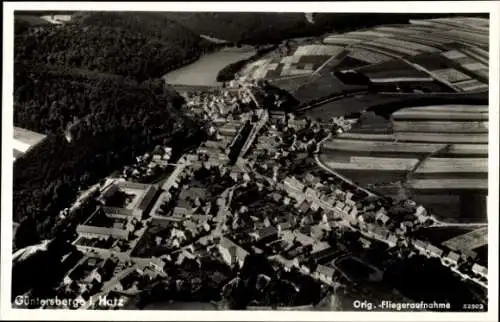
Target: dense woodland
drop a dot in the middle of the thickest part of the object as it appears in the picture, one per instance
(140, 46)
(91, 86)
(112, 121)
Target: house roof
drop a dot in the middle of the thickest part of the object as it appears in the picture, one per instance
(324, 253)
(325, 270)
(147, 197)
(479, 269)
(266, 232)
(435, 250)
(85, 229)
(453, 256)
(419, 243)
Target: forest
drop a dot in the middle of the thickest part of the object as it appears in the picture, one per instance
(92, 86)
(118, 48)
(94, 126)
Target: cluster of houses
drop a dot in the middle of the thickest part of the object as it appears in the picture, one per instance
(222, 103)
(148, 165)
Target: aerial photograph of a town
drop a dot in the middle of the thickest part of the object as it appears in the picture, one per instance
(250, 161)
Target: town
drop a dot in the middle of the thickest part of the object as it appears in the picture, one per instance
(247, 190)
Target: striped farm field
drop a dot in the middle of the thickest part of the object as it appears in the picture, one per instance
(442, 137)
(363, 136)
(445, 115)
(403, 147)
(449, 184)
(454, 165)
(441, 126)
(448, 108)
(372, 163)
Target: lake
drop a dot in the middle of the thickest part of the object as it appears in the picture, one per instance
(203, 72)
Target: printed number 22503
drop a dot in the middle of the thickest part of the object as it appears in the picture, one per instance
(473, 307)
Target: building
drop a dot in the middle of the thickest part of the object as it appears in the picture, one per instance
(324, 254)
(232, 252)
(451, 259)
(392, 240)
(480, 270)
(138, 202)
(102, 232)
(381, 217)
(325, 273)
(434, 251)
(266, 233)
(420, 245)
(157, 264)
(293, 183)
(421, 213)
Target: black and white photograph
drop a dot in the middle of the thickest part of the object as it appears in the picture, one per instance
(221, 160)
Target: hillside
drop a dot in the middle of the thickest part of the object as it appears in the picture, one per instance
(96, 76)
(114, 120)
(139, 45)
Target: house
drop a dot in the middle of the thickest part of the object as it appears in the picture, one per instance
(312, 179)
(181, 212)
(284, 226)
(392, 240)
(157, 264)
(232, 252)
(452, 258)
(303, 239)
(480, 270)
(339, 205)
(266, 233)
(293, 183)
(354, 212)
(381, 216)
(434, 251)
(324, 254)
(420, 245)
(99, 232)
(311, 193)
(421, 213)
(365, 242)
(276, 196)
(325, 273)
(380, 233)
(304, 207)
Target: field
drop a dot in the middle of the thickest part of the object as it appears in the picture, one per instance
(442, 137)
(203, 72)
(402, 148)
(441, 126)
(438, 235)
(471, 240)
